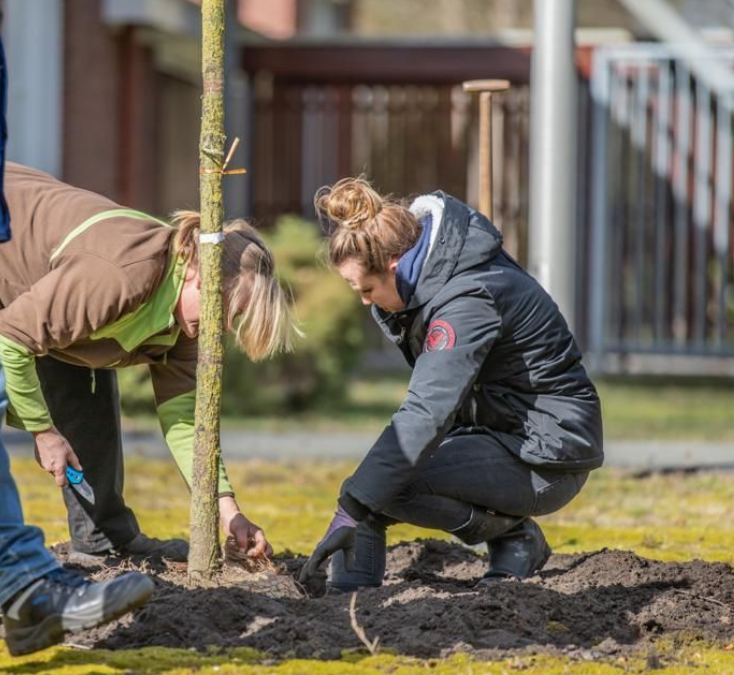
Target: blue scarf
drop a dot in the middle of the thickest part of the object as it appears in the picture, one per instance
(411, 262)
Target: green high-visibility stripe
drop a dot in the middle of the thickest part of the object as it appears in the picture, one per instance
(104, 215)
(142, 325)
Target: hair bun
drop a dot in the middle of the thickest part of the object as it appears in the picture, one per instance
(350, 203)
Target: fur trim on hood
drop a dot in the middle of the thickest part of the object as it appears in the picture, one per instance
(433, 205)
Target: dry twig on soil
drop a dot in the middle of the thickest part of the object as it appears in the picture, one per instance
(705, 598)
(371, 645)
(77, 645)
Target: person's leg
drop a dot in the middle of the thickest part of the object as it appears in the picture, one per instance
(23, 557)
(476, 489)
(446, 494)
(523, 549)
(84, 405)
(40, 600)
(466, 470)
(475, 470)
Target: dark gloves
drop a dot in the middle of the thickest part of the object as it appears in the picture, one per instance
(341, 536)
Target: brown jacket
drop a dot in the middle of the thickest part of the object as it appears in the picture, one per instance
(96, 294)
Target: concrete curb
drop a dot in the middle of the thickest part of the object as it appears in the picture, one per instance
(654, 455)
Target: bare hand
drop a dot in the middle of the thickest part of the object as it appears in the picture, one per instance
(53, 453)
(249, 537)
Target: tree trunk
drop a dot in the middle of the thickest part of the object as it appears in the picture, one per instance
(204, 552)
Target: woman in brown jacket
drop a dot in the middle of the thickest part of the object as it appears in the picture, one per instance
(97, 287)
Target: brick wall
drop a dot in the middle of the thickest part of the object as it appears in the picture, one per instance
(111, 100)
(91, 100)
(130, 132)
(275, 18)
(138, 133)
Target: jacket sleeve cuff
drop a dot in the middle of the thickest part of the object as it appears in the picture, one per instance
(27, 407)
(354, 508)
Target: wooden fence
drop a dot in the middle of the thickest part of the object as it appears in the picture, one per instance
(394, 113)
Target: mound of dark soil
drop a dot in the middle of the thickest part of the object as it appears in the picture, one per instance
(600, 603)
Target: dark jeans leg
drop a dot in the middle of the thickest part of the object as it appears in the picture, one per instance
(475, 470)
(467, 471)
(85, 408)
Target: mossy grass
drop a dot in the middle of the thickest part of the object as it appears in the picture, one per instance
(666, 517)
(665, 659)
(663, 516)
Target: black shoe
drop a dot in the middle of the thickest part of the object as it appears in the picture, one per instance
(175, 550)
(141, 546)
(484, 526)
(518, 553)
(64, 602)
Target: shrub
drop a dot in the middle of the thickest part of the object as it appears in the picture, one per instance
(330, 315)
(136, 391)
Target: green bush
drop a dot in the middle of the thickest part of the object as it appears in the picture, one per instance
(329, 314)
(316, 374)
(136, 391)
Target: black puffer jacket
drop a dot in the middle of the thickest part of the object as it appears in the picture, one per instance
(490, 350)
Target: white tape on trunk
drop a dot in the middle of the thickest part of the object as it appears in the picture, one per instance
(211, 238)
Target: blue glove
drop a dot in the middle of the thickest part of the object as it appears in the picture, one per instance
(341, 536)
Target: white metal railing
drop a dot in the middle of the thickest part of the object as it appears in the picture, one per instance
(661, 286)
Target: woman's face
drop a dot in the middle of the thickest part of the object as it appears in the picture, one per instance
(379, 289)
(186, 311)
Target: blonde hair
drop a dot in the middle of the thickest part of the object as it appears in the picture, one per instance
(257, 308)
(364, 226)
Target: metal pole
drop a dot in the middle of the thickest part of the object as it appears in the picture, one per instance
(485, 88)
(553, 129)
(33, 36)
(599, 211)
(236, 118)
(485, 155)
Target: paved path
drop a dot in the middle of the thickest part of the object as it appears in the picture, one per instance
(654, 455)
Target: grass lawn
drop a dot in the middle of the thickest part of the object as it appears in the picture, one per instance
(668, 517)
(633, 409)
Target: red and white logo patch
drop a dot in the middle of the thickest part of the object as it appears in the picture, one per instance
(440, 336)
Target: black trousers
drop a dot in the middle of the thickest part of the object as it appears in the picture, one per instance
(85, 408)
(470, 469)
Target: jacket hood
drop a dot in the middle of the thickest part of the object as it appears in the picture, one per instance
(461, 238)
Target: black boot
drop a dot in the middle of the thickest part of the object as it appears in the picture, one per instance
(484, 525)
(175, 550)
(518, 553)
(141, 546)
(64, 602)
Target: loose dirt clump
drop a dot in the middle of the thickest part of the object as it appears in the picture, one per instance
(600, 604)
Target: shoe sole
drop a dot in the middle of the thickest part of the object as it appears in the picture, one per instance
(52, 629)
(87, 559)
